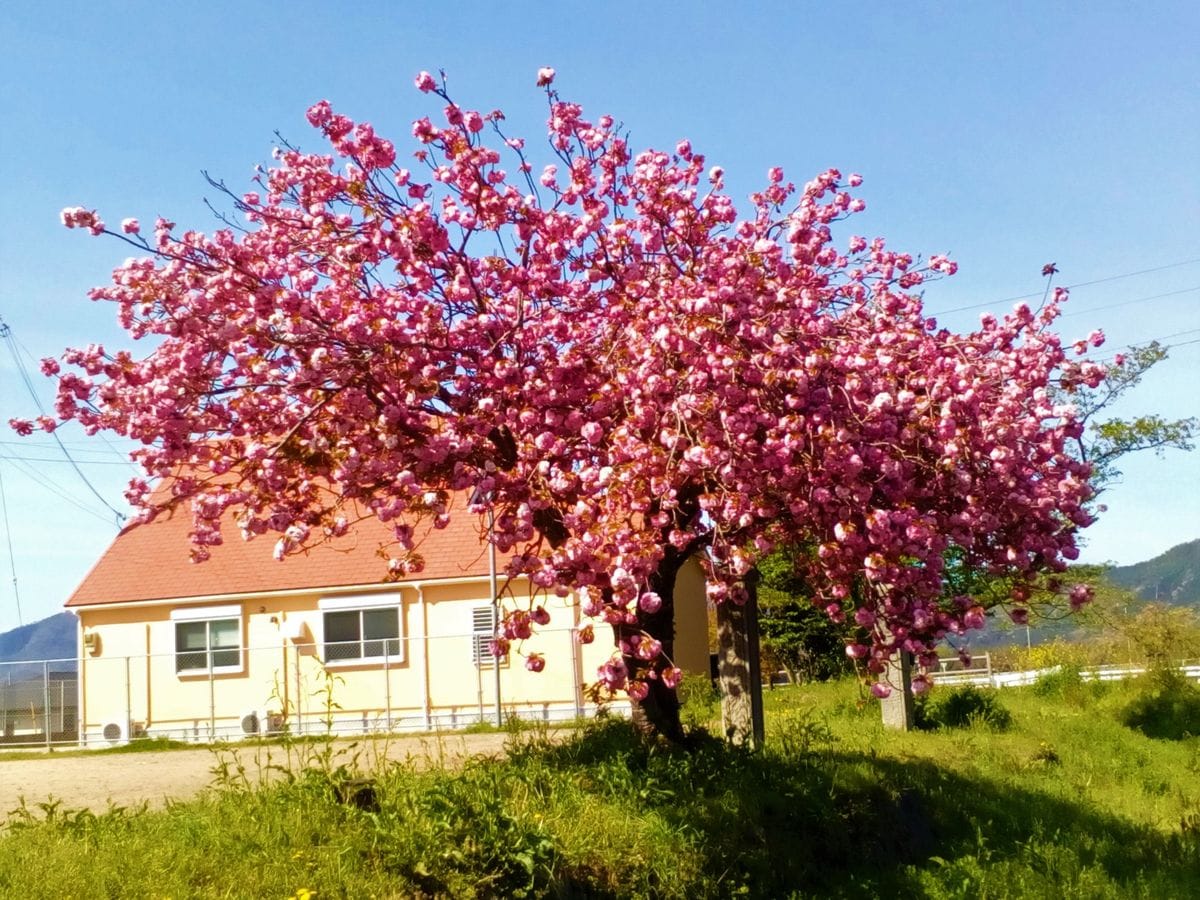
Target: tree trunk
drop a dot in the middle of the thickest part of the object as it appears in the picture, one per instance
(740, 669)
(658, 712)
(898, 712)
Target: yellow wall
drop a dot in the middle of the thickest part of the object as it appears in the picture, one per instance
(691, 619)
(130, 675)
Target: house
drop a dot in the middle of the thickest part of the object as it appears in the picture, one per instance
(243, 644)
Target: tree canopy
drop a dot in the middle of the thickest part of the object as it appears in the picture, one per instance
(606, 355)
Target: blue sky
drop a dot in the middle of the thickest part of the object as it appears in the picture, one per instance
(1008, 135)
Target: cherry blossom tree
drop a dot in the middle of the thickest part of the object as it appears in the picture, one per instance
(607, 358)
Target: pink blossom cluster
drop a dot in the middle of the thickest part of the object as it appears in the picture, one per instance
(78, 217)
(628, 372)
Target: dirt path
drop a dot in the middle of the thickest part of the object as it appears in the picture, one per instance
(96, 781)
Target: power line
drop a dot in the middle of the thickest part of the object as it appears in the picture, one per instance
(78, 447)
(50, 459)
(6, 333)
(124, 457)
(34, 475)
(1136, 344)
(1175, 334)
(1110, 359)
(1174, 265)
(1078, 284)
(1092, 309)
(1164, 337)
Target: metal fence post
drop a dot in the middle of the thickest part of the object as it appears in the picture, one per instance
(46, 698)
(128, 701)
(212, 701)
(80, 702)
(299, 696)
(387, 682)
(576, 670)
(478, 679)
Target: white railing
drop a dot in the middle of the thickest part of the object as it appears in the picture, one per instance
(985, 676)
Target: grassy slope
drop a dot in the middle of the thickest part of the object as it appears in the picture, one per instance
(1066, 803)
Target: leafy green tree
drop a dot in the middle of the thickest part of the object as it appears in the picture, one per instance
(1161, 634)
(1106, 440)
(798, 636)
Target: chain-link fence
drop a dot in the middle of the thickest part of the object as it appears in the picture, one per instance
(39, 702)
(210, 689)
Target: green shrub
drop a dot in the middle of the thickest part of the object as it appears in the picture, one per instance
(1064, 682)
(960, 707)
(1167, 706)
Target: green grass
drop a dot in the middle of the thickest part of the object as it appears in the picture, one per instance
(140, 745)
(1065, 802)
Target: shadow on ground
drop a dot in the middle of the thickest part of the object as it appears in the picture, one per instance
(827, 822)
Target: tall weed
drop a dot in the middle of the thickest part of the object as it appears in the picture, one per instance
(701, 701)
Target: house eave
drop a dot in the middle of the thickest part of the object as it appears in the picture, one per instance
(375, 586)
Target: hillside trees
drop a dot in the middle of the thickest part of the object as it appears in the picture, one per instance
(629, 374)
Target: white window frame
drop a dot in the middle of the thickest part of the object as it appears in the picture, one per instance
(482, 634)
(208, 615)
(361, 603)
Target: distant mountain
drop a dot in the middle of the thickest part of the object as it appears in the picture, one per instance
(1173, 577)
(52, 638)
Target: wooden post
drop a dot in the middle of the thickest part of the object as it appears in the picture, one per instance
(739, 669)
(898, 712)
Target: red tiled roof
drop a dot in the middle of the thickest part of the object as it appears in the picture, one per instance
(152, 561)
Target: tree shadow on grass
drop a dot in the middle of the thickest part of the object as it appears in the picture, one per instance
(830, 823)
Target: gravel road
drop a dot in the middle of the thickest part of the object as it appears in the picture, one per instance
(96, 781)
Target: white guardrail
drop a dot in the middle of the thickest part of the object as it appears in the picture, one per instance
(984, 676)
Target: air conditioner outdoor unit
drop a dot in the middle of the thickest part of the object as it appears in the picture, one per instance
(121, 730)
(261, 721)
